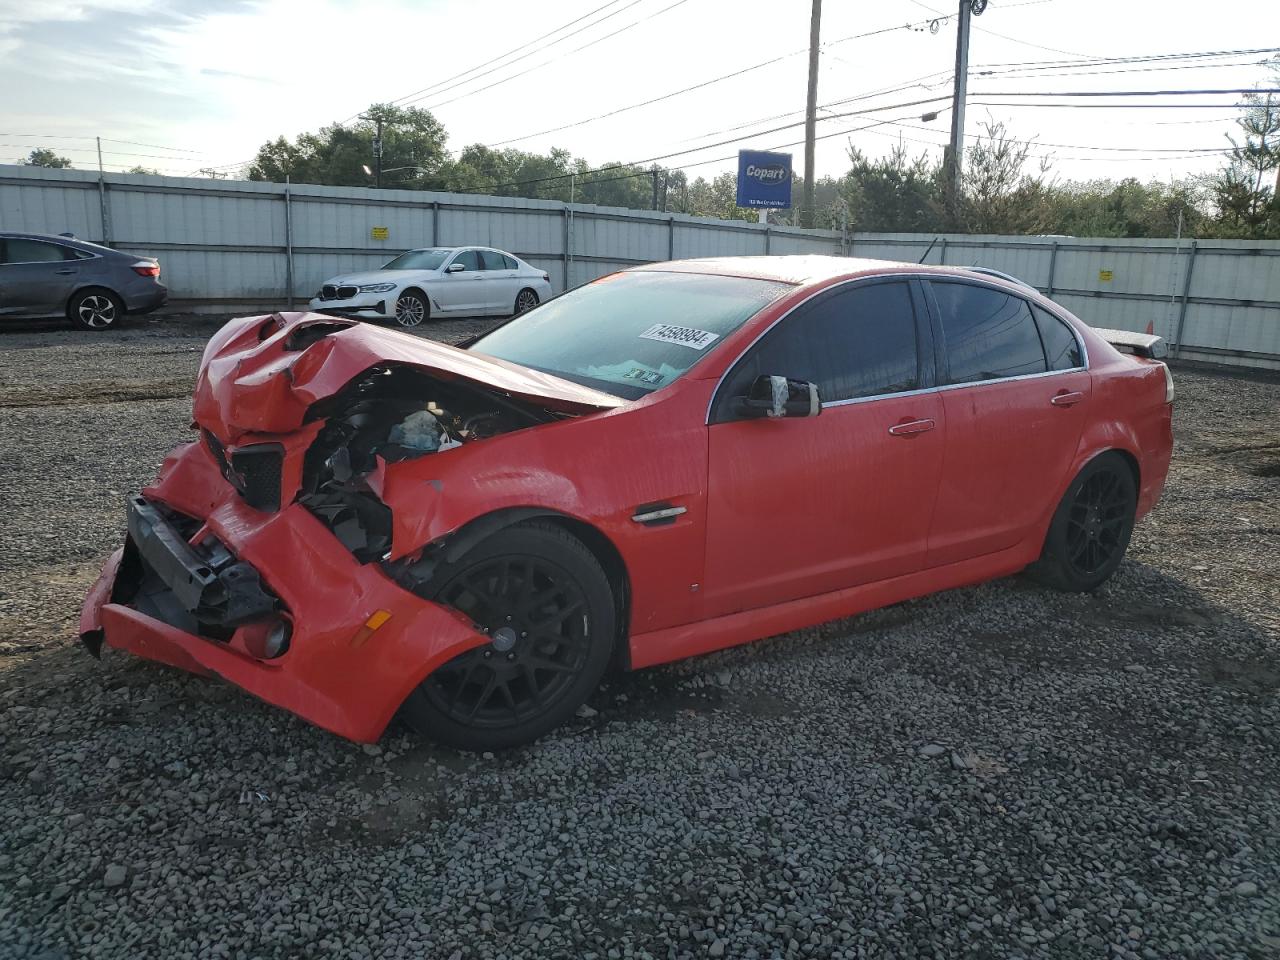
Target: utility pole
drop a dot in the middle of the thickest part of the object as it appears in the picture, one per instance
(377, 156)
(811, 115)
(654, 173)
(955, 152)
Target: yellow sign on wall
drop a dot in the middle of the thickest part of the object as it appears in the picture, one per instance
(380, 233)
(1104, 276)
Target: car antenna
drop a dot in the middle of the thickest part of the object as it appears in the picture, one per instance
(927, 250)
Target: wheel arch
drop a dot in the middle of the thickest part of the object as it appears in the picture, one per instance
(455, 545)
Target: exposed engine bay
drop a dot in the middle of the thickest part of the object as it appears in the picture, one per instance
(391, 414)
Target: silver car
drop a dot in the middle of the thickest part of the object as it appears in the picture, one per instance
(42, 275)
(434, 282)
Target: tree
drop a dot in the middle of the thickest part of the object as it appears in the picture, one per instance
(998, 196)
(148, 171)
(336, 155)
(44, 157)
(1244, 191)
(896, 193)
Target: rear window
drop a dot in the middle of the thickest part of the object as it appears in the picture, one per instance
(419, 260)
(1060, 345)
(631, 333)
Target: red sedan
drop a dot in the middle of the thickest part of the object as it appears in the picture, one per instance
(667, 461)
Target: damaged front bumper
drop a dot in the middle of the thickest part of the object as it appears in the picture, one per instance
(271, 602)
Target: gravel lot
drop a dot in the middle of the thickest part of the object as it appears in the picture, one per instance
(994, 772)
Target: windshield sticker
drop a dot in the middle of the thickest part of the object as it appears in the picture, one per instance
(643, 375)
(685, 336)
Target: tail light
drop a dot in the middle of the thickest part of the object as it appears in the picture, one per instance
(147, 268)
(1168, 383)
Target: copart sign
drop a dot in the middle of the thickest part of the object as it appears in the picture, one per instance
(764, 179)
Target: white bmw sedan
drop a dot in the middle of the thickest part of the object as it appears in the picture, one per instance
(437, 281)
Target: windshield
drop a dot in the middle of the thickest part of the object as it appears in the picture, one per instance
(630, 333)
(419, 260)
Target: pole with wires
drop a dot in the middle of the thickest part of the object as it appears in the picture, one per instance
(955, 151)
(811, 114)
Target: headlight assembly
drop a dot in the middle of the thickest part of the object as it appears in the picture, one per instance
(376, 287)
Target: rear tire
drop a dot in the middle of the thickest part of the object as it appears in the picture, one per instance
(526, 300)
(95, 309)
(545, 601)
(412, 309)
(1091, 528)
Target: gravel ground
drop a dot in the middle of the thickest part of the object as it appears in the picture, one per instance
(994, 772)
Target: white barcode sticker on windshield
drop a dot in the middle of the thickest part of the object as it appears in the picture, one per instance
(685, 336)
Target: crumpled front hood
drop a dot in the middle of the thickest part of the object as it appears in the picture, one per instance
(262, 374)
(377, 276)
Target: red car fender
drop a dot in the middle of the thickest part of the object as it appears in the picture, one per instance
(653, 451)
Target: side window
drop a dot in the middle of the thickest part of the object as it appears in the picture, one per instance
(1060, 345)
(510, 262)
(470, 259)
(18, 250)
(989, 334)
(855, 343)
(492, 260)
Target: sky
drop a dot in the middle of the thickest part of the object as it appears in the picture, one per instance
(178, 86)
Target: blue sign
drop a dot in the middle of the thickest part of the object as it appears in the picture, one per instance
(764, 179)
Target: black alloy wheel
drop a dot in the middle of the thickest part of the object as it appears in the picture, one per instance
(546, 605)
(1091, 528)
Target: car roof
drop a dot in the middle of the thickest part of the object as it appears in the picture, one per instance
(71, 241)
(797, 269)
(805, 269)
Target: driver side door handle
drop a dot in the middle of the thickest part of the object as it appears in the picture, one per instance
(1066, 399)
(911, 428)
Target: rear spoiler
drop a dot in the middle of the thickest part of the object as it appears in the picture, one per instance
(1140, 344)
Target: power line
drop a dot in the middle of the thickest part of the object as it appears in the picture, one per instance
(1121, 93)
(524, 46)
(538, 66)
(706, 83)
(710, 146)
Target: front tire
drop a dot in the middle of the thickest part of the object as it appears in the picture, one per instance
(412, 309)
(547, 605)
(526, 300)
(95, 309)
(1091, 528)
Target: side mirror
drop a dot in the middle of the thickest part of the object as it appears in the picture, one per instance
(454, 268)
(773, 396)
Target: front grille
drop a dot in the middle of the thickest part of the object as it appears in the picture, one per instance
(328, 292)
(255, 471)
(259, 468)
(346, 293)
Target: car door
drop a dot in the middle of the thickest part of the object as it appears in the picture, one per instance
(802, 506)
(36, 277)
(1015, 397)
(463, 291)
(502, 282)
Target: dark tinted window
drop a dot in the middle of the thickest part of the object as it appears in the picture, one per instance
(470, 260)
(989, 334)
(856, 343)
(34, 251)
(510, 262)
(1060, 344)
(492, 260)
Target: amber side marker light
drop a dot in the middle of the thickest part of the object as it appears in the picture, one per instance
(371, 626)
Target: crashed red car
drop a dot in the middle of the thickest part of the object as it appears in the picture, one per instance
(667, 461)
